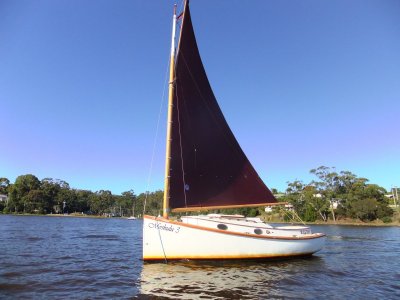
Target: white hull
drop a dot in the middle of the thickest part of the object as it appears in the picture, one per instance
(172, 240)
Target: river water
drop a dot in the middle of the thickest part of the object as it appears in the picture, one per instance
(85, 258)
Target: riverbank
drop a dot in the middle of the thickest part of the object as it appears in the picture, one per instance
(345, 223)
(352, 222)
(340, 222)
(278, 218)
(74, 215)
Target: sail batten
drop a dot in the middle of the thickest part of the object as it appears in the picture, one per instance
(208, 168)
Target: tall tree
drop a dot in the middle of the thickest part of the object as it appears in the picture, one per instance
(129, 198)
(4, 184)
(101, 202)
(34, 202)
(22, 186)
(326, 190)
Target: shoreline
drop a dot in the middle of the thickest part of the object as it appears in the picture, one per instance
(376, 223)
(330, 222)
(357, 223)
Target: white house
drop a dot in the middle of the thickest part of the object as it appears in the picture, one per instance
(287, 207)
(3, 198)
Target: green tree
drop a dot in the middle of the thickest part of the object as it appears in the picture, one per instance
(34, 202)
(66, 200)
(367, 201)
(81, 201)
(326, 190)
(153, 202)
(101, 202)
(51, 189)
(274, 191)
(22, 186)
(357, 198)
(295, 196)
(4, 187)
(129, 201)
(4, 184)
(364, 209)
(316, 204)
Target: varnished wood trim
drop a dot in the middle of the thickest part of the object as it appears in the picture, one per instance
(226, 257)
(250, 226)
(308, 237)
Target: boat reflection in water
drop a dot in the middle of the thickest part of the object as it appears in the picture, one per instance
(225, 279)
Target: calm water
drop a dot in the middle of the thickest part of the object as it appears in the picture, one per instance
(59, 258)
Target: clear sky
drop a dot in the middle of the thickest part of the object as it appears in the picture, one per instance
(301, 83)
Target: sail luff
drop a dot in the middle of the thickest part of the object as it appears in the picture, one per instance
(166, 208)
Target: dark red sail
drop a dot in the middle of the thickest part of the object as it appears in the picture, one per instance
(208, 167)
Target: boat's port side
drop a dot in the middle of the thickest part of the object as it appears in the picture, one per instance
(167, 239)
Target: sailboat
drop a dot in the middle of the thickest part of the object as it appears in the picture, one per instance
(206, 169)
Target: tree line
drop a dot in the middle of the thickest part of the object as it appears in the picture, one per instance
(30, 195)
(332, 195)
(337, 195)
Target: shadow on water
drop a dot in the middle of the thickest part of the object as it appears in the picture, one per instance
(222, 279)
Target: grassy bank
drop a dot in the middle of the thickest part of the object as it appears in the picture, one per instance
(279, 218)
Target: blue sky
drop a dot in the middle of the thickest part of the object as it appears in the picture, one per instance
(301, 83)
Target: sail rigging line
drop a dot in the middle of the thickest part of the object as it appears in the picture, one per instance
(181, 148)
(181, 8)
(161, 242)
(155, 139)
(211, 111)
(293, 216)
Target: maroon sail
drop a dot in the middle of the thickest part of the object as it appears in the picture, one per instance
(208, 167)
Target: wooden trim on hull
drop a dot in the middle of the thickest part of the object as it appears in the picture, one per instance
(200, 208)
(227, 257)
(250, 226)
(306, 237)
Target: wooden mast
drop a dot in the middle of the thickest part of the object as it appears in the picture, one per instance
(166, 207)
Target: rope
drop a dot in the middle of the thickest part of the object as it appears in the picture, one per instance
(181, 148)
(293, 215)
(155, 140)
(162, 245)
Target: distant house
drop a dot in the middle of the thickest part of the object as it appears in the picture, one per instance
(3, 198)
(335, 203)
(393, 197)
(288, 206)
(277, 196)
(268, 209)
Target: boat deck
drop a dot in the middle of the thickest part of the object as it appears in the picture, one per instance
(241, 224)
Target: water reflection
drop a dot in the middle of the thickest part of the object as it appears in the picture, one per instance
(76, 258)
(220, 279)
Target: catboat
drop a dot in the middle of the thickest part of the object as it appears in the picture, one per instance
(206, 169)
